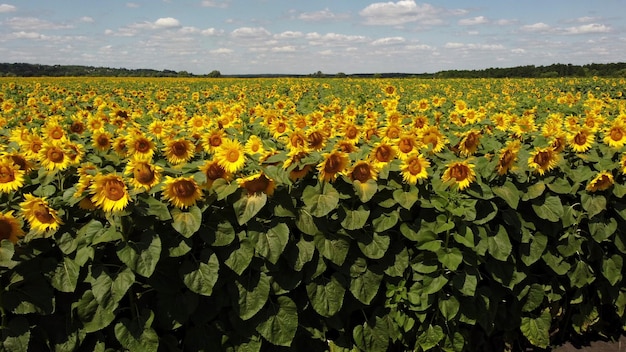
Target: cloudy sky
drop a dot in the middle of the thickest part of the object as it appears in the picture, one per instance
(304, 36)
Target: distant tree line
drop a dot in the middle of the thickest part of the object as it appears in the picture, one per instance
(528, 71)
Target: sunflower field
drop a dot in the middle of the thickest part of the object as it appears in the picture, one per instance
(311, 214)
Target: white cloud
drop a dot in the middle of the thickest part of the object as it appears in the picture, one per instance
(473, 46)
(419, 47)
(402, 12)
(518, 51)
(322, 15)
(588, 28)
(86, 19)
(167, 22)
(26, 35)
(333, 39)
(389, 41)
(284, 49)
(289, 35)
(222, 51)
(33, 24)
(211, 32)
(213, 3)
(473, 21)
(4, 8)
(536, 27)
(250, 32)
(132, 5)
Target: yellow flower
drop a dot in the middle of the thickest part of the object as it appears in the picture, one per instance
(414, 168)
(382, 154)
(461, 172)
(469, 143)
(140, 145)
(213, 171)
(53, 156)
(212, 140)
(230, 155)
(145, 175)
(254, 146)
(334, 164)
(508, 157)
(581, 140)
(101, 140)
(431, 136)
(109, 192)
(407, 144)
(257, 183)
(40, 217)
(181, 192)
(603, 181)
(178, 151)
(543, 159)
(363, 171)
(11, 176)
(615, 135)
(10, 228)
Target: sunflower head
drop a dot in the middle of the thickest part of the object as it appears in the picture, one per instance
(461, 172)
(178, 151)
(603, 181)
(144, 174)
(230, 155)
(213, 171)
(334, 164)
(10, 228)
(615, 135)
(414, 168)
(181, 192)
(11, 175)
(54, 156)
(363, 171)
(257, 183)
(543, 160)
(40, 216)
(109, 192)
(581, 140)
(508, 157)
(382, 154)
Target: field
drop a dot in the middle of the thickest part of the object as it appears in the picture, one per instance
(340, 214)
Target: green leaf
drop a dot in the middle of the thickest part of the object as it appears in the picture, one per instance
(16, 335)
(365, 286)
(281, 322)
(385, 221)
(240, 258)
(156, 208)
(252, 295)
(333, 250)
(272, 243)
(377, 247)
(306, 251)
(534, 191)
(248, 206)
(431, 337)
(365, 191)
(93, 316)
(449, 307)
(201, 276)
(143, 256)
(465, 283)
(582, 275)
(400, 264)
(321, 199)
(537, 330)
(326, 296)
(137, 335)
(65, 276)
(224, 234)
(306, 224)
(593, 204)
(109, 292)
(500, 246)
(224, 188)
(602, 231)
(406, 199)
(556, 263)
(537, 246)
(434, 284)
(109, 234)
(451, 258)
(534, 298)
(355, 219)
(612, 269)
(7, 249)
(550, 209)
(187, 222)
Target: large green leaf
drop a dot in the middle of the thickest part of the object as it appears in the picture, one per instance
(240, 258)
(602, 230)
(534, 298)
(280, 323)
(431, 337)
(355, 219)
(93, 316)
(550, 208)
(536, 247)
(271, 243)
(143, 256)
(16, 335)
(326, 295)
(306, 251)
(400, 264)
(537, 330)
(500, 246)
(374, 336)
(406, 199)
(155, 207)
(65, 276)
(449, 307)
(248, 206)
(201, 276)
(306, 224)
(509, 193)
(385, 221)
(137, 335)
(334, 250)
(365, 191)
(593, 204)
(321, 199)
(108, 292)
(451, 258)
(253, 293)
(612, 268)
(186, 222)
(365, 286)
(377, 247)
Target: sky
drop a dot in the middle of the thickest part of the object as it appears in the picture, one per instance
(306, 36)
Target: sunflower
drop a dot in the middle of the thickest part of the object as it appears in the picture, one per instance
(31, 145)
(462, 172)
(297, 140)
(508, 157)
(178, 151)
(254, 146)
(181, 192)
(351, 132)
(581, 139)
(623, 164)
(603, 181)
(75, 153)
(19, 160)
(334, 164)
(363, 171)
(11, 176)
(53, 156)
(101, 140)
(316, 139)
(144, 174)
(414, 168)
(120, 146)
(407, 144)
(382, 154)
(212, 140)
(54, 131)
(10, 228)
(431, 136)
(109, 192)
(257, 183)
(40, 217)
(615, 135)
(469, 143)
(543, 159)
(159, 129)
(213, 171)
(230, 155)
(140, 145)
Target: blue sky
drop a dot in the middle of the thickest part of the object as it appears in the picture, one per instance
(298, 36)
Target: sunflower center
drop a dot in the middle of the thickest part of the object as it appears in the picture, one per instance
(617, 133)
(143, 173)
(215, 140)
(415, 167)
(507, 158)
(184, 189)
(316, 139)
(393, 132)
(405, 145)
(471, 141)
(114, 190)
(42, 214)
(281, 127)
(6, 230)
(459, 172)
(298, 141)
(603, 183)
(215, 171)
(57, 133)
(179, 149)
(19, 161)
(77, 127)
(580, 138)
(232, 155)
(419, 123)
(361, 172)
(542, 159)
(257, 185)
(431, 139)
(383, 153)
(103, 140)
(55, 155)
(352, 132)
(6, 174)
(142, 146)
(333, 164)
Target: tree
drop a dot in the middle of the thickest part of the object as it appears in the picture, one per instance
(215, 74)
